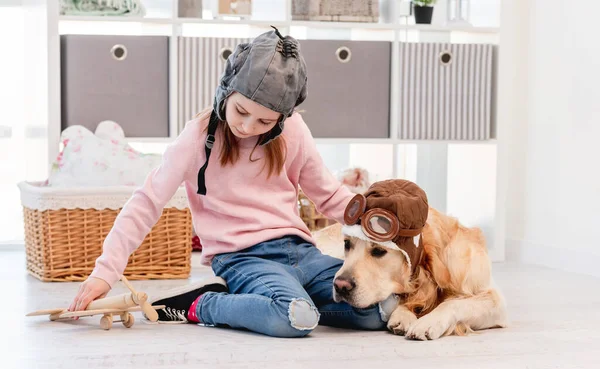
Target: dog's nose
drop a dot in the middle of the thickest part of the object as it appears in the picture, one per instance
(343, 286)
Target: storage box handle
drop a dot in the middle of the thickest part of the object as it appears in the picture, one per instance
(446, 57)
(224, 53)
(118, 52)
(343, 54)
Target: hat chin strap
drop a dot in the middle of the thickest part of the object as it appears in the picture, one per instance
(357, 232)
(208, 145)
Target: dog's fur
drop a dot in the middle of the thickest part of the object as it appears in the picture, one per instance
(451, 292)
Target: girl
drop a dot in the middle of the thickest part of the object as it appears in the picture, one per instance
(271, 277)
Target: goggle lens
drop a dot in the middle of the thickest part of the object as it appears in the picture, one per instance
(380, 225)
(354, 210)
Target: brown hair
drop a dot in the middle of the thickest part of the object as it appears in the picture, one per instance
(275, 152)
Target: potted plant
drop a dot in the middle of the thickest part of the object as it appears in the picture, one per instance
(423, 10)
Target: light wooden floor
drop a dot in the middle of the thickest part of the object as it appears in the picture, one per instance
(555, 320)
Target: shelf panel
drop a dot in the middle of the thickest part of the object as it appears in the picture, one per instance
(130, 19)
(344, 25)
(343, 141)
(392, 141)
(447, 28)
(277, 23)
(258, 23)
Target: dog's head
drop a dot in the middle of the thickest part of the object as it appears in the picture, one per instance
(370, 273)
(382, 238)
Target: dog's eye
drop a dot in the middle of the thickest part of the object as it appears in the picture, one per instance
(347, 245)
(378, 252)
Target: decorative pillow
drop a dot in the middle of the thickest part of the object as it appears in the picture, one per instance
(102, 158)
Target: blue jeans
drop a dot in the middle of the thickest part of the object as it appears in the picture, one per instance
(281, 288)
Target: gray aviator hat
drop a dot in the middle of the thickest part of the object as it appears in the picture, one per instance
(269, 71)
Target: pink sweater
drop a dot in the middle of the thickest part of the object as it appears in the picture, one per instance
(242, 207)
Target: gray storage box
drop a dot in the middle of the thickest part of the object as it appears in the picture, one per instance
(119, 78)
(348, 88)
(445, 91)
(201, 64)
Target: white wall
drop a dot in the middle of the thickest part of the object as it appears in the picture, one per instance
(555, 220)
(12, 132)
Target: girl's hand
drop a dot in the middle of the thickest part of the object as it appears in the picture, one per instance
(90, 290)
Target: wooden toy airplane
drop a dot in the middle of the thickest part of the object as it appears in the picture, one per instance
(121, 305)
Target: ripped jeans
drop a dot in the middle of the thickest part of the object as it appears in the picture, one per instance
(281, 288)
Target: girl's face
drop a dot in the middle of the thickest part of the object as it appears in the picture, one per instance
(247, 118)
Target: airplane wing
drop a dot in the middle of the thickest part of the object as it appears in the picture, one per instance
(46, 312)
(81, 313)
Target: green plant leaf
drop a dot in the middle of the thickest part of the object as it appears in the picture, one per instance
(424, 2)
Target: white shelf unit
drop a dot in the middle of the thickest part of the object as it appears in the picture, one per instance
(173, 27)
(49, 25)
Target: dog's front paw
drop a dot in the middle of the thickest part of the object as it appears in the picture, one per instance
(400, 320)
(429, 327)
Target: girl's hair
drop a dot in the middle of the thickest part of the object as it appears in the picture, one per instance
(275, 151)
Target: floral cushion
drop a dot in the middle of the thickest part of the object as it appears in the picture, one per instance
(102, 158)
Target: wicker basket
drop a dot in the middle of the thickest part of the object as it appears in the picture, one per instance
(336, 10)
(309, 214)
(65, 230)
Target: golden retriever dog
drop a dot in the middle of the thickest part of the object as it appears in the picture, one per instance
(451, 291)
